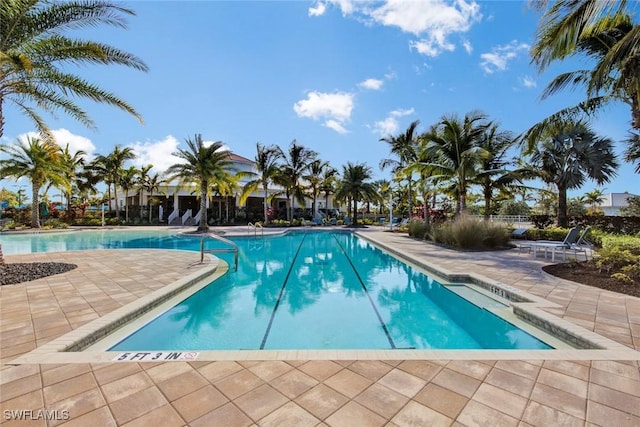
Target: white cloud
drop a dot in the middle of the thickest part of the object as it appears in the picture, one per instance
(467, 46)
(63, 137)
(401, 113)
(335, 108)
(156, 153)
(335, 125)
(385, 127)
(528, 82)
(498, 59)
(371, 84)
(432, 22)
(389, 125)
(318, 10)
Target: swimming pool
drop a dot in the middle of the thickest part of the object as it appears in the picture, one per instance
(306, 290)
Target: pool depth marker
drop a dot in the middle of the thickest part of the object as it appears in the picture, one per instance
(286, 279)
(366, 291)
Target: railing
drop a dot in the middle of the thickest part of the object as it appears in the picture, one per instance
(234, 249)
(186, 216)
(197, 217)
(510, 219)
(175, 214)
(255, 229)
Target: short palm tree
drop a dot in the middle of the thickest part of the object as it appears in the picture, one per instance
(452, 152)
(356, 185)
(37, 161)
(594, 198)
(34, 51)
(267, 166)
(569, 155)
(151, 183)
(205, 165)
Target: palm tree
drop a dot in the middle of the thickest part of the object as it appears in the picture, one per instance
(594, 198)
(570, 154)
(452, 151)
(603, 31)
(404, 147)
(151, 183)
(205, 165)
(314, 177)
(493, 174)
(128, 180)
(72, 164)
(297, 161)
(34, 53)
(266, 163)
(37, 161)
(328, 184)
(110, 168)
(355, 185)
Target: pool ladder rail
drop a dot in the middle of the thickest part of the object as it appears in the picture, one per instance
(233, 249)
(255, 229)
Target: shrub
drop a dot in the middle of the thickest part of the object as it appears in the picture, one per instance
(468, 233)
(419, 229)
(625, 243)
(541, 221)
(614, 258)
(550, 233)
(55, 223)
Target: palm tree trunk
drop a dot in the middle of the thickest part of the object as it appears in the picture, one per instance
(562, 206)
(264, 204)
(35, 206)
(126, 207)
(487, 205)
(355, 212)
(115, 197)
(203, 226)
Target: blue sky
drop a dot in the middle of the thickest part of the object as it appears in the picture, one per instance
(334, 75)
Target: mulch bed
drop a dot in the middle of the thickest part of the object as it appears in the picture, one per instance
(587, 274)
(10, 274)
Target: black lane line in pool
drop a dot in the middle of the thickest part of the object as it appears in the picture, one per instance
(366, 291)
(275, 307)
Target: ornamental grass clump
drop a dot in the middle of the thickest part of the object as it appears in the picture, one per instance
(420, 229)
(469, 233)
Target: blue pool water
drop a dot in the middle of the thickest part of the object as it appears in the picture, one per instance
(302, 290)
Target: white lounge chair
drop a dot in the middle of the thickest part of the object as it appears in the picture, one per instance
(583, 245)
(550, 245)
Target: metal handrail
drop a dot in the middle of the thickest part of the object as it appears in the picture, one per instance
(255, 229)
(235, 248)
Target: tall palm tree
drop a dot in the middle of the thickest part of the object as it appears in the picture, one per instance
(128, 180)
(110, 168)
(267, 164)
(151, 183)
(34, 52)
(569, 155)
(328, 184)
(296, 163)
(404, 147)
(37, 161)
(205, 165)
(604, 32)
(453, 151)
(314, 177)
(72, 165)
(356, 185)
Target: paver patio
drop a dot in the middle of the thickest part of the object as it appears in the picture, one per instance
(306, 392)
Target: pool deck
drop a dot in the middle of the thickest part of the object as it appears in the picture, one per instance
(461, 392)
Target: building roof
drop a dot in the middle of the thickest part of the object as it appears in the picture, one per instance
(236, 158)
